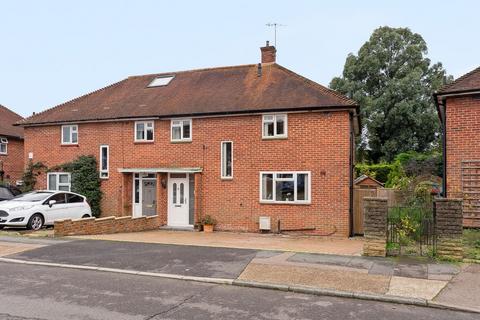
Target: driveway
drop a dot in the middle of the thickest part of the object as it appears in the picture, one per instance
(147, 257)
(296, 243)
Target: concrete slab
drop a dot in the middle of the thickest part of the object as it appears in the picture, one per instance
(384, 268)
(415, 288)
(361, 263)
(315, 277)
(320, 259)
(8, 248)
(464, 289)
(147, 257)
(411, 270)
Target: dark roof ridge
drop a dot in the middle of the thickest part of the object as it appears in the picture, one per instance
(192, 70)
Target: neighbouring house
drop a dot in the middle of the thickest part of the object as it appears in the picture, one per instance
(11, 147)
(236, 143)
(458, 105)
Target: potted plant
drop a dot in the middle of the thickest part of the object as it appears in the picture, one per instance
(208, 223)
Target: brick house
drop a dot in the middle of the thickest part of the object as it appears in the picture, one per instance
(11, 147)
(458, 106)
(236, 143)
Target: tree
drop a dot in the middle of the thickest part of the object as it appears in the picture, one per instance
(393, 81)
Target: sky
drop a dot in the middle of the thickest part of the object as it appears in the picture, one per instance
(54, 51)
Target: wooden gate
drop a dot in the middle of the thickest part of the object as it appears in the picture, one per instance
(393, 196)
(358, 195)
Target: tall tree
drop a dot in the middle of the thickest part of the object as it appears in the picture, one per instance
(393, 81)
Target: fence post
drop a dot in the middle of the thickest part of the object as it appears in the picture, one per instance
(449, 228)
(375, 227)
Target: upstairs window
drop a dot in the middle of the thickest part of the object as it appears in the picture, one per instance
(104, 161)
(58, 181)
(181, 130)
(3, 145)
(285, 187)
(70, 134)
(144, 131)
(227, 159)
(274, 126)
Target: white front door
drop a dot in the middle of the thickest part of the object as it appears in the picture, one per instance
(178, 198)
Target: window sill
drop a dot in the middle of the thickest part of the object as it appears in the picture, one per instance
(69, 145)
(144, 142)
(181, 141)
(226, 178)
(275, 138)
(286, 203)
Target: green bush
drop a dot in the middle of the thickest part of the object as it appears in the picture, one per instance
(30, 175)
(85, 180)
(378, 171)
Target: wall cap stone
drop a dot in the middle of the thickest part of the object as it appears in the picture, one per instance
(448, 200)
(375, 199)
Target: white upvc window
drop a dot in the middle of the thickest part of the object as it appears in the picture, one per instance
(104, 161)
(59, 181)
(70, 134)
(289, 187)
(274, 126)
(181, 130)
(144, 131)
(226, 159)
(3, 146)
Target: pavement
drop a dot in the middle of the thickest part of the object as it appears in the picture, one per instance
(411, 281)
(40, 292)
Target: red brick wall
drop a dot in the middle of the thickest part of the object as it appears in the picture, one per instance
(463, 132)
(13, 162)
(317, 142)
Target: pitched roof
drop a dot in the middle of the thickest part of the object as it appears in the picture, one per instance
(364, 177)
(468, 82)
(7, 119)
(222, 90)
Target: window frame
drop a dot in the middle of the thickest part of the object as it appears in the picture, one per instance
(4, 142)
(275, 135)
(144, 122)
(57, 181)
(274, 179)
(107, 170)
(71, 134)
(222, 162)
(182, 139)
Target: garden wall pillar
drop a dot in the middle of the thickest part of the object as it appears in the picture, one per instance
(449, 228)
(375, 227)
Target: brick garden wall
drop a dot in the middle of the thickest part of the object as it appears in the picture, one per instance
(375, 227)
(105, 225)
(13, 162)
(463, 130)
(449, 228)
(317, 142)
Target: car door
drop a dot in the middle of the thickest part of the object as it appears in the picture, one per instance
(58, 210)
(75, 206)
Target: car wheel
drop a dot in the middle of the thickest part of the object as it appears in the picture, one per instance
(1, 227)
(35, 222)
(85, 216)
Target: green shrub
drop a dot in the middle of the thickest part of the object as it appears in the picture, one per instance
(85, 180)
(378, 171)
(30, 175)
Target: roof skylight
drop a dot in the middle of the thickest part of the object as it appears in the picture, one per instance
(161, 81)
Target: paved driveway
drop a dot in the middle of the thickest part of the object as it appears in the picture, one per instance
(173, 259)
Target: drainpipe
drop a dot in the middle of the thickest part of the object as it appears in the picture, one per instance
(351, 165)
(444, 147)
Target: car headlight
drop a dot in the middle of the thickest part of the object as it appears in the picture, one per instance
(21, 208)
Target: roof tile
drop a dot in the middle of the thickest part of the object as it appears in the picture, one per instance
(7, 120)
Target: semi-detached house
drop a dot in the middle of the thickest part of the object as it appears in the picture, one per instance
(237, 143)
(11, 147)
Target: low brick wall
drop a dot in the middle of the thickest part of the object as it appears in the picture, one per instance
(375, 227)
(449, 228)
(105, 225)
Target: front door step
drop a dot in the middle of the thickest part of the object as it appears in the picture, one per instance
(173, 228)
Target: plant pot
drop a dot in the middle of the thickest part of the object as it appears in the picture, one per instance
(208, 228)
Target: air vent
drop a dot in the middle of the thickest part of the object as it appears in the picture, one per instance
(264, 223)
(161, 81)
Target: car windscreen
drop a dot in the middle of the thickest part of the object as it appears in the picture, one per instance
(33, 196)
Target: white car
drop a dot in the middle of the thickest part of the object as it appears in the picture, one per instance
(38, 208)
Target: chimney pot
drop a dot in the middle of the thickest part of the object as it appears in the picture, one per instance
(269, 53)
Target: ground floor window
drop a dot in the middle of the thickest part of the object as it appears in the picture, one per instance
(59, 181)
(285, 187)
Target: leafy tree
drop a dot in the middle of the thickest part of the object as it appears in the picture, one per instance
(30, 175)
(393, 81)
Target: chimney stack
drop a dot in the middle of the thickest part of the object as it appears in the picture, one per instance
(269, 53)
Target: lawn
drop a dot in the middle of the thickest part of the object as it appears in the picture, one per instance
(471, 243)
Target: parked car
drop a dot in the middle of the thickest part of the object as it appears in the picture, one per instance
(8, 192)
(35, 209)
